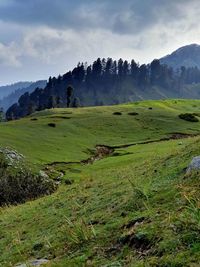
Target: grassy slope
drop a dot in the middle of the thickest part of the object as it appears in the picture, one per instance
(84, 224)
(90, 126)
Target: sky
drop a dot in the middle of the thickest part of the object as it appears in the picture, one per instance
(42, 38)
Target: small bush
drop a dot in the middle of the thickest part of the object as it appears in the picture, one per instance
(117, 113)
(188, 117)
(69, 181)
(34, 119)
(133, 113)
(52, 124)
(37, 246)
(18, 183)
(196, 114)
(18, 188)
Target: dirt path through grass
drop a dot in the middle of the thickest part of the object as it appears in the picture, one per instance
(102, 151)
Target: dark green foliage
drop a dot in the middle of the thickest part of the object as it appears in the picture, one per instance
(52, 124)
(76, 102)
(188, 117)
(133, 113)
(107, 82)
(20, 184)
(52, 103)
(69, 95)
(68, 181)
(2, 115)
(117, 113)
(38, 246)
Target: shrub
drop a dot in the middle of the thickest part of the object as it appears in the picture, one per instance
(52, 124)
(18, 183)
(188, 117)
(20, 187)
(133, 113)
(69, 182)
(117, 113)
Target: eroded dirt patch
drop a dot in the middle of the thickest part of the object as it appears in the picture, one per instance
(103, 151)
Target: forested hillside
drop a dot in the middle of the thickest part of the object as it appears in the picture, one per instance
(8, 89)
(13, 97)
(108, 82)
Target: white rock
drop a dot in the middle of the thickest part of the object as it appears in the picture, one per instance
(194, 165)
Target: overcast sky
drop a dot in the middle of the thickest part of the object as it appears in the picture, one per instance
(39, 38)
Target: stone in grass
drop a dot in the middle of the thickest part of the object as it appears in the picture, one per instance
(38, 262)
(11, 155)
(194, 165)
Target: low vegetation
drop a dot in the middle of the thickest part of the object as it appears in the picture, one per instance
(19, 183)
(188, 117)
(134, 207)
(117, 113)
(52, 124)
(133, 113)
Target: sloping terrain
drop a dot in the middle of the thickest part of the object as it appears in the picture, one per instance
(187, 56)
(8, 89)
(12, 97)
(133, 205)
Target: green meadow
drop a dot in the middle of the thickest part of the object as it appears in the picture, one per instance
(135, 207)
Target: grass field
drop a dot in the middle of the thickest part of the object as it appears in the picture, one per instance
(136, 207)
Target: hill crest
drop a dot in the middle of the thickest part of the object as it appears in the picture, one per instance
(188, 56)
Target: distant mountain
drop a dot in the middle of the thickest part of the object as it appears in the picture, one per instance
(8, 89)
(13, 97)
(188, 56)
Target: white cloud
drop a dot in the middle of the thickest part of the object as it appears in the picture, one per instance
(33, 45)
(9, 55)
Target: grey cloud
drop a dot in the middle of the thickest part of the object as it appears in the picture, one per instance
(47, 37)
(130, 16)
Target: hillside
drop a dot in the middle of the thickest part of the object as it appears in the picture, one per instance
(8, 89)
(13, 96)
(108, 82)
(188, 56)
(127, 203)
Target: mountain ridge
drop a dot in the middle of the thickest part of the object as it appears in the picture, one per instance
(108, 82)
(7, 89)
(187, 56)
(13, 97)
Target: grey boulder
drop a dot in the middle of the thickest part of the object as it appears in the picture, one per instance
(194, 165)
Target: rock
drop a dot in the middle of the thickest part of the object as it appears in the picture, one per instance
(11, 156)
(37, 262)
(43, 175)
(194, 165)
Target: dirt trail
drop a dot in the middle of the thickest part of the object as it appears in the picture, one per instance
(103, 151)
(174, 136)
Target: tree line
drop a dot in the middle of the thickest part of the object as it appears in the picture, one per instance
(106, 81)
